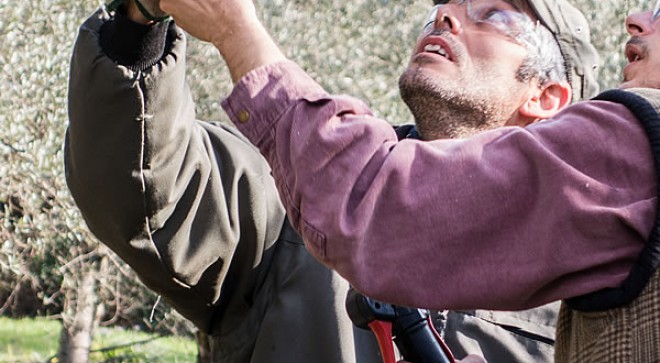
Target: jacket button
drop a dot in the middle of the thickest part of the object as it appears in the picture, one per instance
(243, 116)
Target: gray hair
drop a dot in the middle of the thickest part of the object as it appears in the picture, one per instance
(544, 60)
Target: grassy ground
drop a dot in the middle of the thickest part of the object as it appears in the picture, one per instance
(36, 340)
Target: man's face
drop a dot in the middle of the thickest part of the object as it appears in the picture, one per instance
(462, 75)
(643, 50)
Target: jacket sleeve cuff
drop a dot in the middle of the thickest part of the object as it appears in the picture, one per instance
(133, 45)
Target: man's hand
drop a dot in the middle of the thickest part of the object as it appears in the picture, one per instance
(133, 13)
(152, 7)
(211, 20)
(232, 26)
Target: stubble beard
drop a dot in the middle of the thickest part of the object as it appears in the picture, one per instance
(452, 108)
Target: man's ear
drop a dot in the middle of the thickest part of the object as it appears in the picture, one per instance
(546, 101)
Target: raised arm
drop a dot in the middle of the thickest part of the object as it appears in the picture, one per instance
(452, 223)
(188, 204)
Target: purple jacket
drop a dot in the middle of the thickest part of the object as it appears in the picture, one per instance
(508, 219)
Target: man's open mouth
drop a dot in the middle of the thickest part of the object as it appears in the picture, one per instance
(437, 45)
(634, 52)
(436, 48)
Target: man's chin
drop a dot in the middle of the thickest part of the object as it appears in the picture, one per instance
(429, 73)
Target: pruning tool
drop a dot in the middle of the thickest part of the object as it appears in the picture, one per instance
(411, 329)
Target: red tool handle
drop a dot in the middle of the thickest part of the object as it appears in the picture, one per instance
(383, 332)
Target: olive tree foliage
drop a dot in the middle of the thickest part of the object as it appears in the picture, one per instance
(45, 248)
(356, 47)
(40, 228)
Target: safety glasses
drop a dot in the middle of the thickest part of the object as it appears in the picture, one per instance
(499, 16)
(656, 11)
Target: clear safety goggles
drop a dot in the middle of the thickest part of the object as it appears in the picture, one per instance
(656, 11)
(500, 16)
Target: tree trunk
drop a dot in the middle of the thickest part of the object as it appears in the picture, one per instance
(78, 317)
(204, 347)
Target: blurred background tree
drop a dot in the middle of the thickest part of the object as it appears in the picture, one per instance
(47, 255)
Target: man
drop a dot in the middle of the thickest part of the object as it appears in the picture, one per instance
(507, 219)
(194, 220)
(191, 206)
(525, 336)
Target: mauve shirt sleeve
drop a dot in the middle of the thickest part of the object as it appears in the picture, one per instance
(508, 219)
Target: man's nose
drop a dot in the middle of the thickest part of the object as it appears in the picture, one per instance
(639, 23)
(446, 19)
